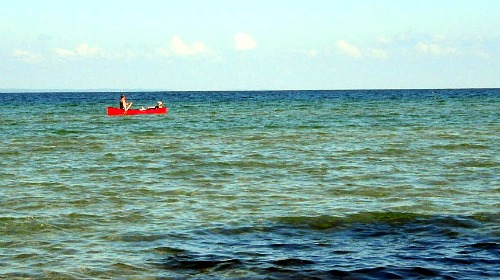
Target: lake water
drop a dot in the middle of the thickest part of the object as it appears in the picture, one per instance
(368, 184)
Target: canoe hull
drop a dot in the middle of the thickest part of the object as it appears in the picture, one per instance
(112, 111)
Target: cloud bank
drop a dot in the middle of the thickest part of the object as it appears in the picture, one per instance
(177, 47)
(351, 50)
(27, 56)
(83, 50)
(435, 49)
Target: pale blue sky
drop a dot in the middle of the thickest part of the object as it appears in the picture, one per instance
(249, 45)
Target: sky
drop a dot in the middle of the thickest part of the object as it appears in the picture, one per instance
(207, 45)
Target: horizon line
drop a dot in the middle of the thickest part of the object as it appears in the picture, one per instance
(113, 90)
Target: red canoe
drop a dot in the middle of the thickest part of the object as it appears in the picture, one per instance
(120, 112)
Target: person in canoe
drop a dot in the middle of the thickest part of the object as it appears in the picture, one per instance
(124, 105)
(157, 106)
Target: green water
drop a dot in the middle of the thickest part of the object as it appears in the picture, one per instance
(226, 177)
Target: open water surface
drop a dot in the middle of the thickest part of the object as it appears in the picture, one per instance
(251, 185)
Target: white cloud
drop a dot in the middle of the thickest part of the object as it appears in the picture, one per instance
(27, 56)
(348, 49)
(82, 50)
(64, 52)
(86, 51)
(435, 49)
(312, 53)
(357, 52)
(178, 47)
(377, 53)
(244, 42)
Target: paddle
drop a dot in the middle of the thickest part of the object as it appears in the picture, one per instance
(128, 106)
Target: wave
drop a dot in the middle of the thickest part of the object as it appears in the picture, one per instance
(323, 222)
(461, 146)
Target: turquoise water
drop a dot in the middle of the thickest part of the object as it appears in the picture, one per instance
(249, 185)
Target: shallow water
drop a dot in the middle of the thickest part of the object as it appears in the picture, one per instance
(249, 185)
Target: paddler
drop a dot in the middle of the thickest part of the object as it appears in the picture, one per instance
(124, 105)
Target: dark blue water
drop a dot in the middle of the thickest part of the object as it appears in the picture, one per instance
(369, 184)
